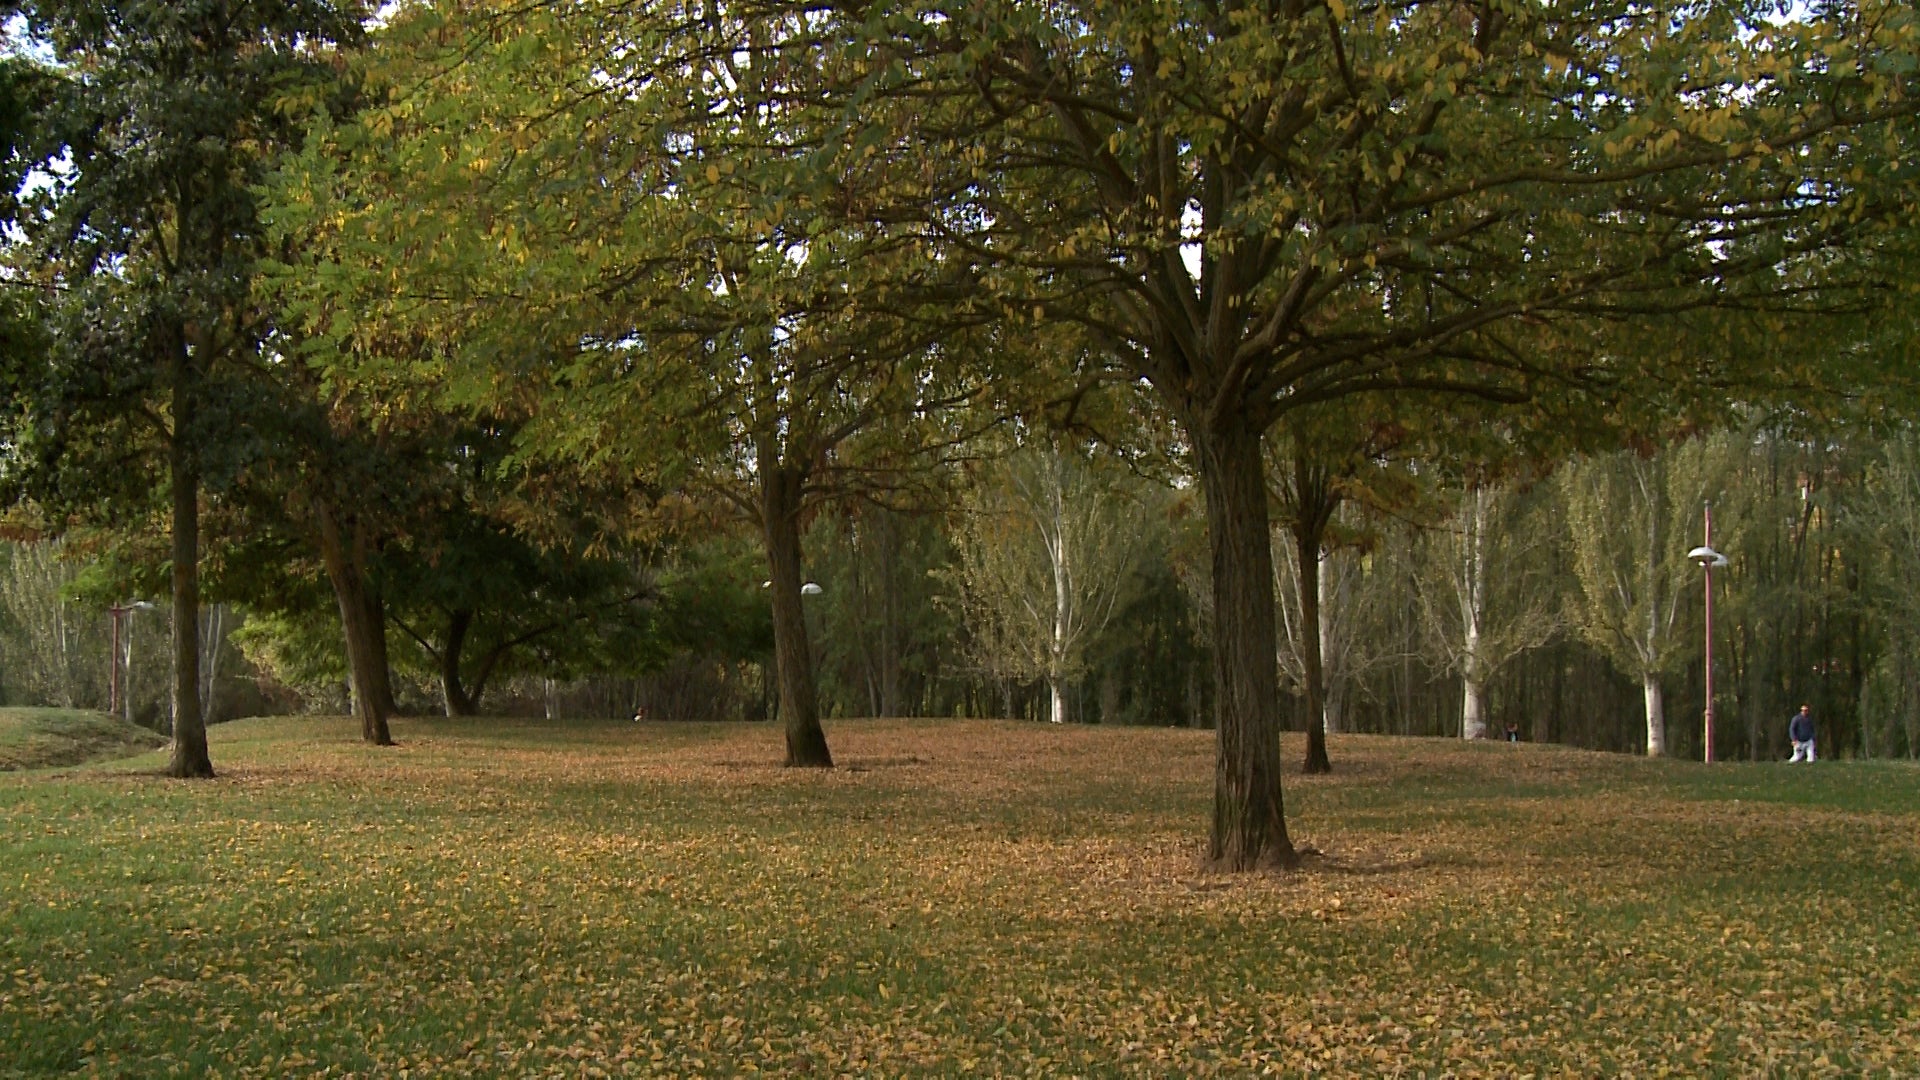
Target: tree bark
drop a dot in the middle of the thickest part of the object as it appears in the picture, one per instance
(365, 661)
(1473, 708)
(1656, 716)
(189, 756)
(380, 670)
(458, 701)
(1312, 510)
(1473, 689)
(886, 531)
(1310, 655)
(1249, 822)
(793, 656)
(1333, 708)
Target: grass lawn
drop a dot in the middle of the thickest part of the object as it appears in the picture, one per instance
(520, 898)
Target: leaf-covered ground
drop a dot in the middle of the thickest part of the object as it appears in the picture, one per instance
(43, 738)
(507, 898)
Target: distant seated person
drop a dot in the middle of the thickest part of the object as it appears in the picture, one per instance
(639, 714)
(1800, 731)
(1513, 731)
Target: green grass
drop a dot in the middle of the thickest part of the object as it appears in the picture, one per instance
(518, 898)
(44, 738)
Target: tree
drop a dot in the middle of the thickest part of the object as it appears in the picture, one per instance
(51, 649)
(1262, 207)
(167, 115)
(889, 640)
(1890, 522)
(483, 603)
(1628, 517)
(1323, 459)
(1046, 553)
(708, 267)
(1486, 595)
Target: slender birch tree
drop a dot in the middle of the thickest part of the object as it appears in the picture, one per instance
(1046, 551)
(1487, 595)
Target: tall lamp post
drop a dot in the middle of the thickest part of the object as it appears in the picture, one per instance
(1708, 560)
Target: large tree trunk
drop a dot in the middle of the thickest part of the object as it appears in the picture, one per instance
(1656, 716)
(458, 701)
(1249, 822)
(189, 758)
(1056, 699)
(365, 661)
(792, 655)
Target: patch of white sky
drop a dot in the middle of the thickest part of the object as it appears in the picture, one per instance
(17, 39)
(1193, 223)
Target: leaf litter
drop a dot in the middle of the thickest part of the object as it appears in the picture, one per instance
(959, 897)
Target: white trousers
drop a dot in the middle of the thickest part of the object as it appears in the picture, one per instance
(1802, 751)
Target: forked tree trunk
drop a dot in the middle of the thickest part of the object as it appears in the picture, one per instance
(189, 757)
(364, 659)
(792, 655)
(1249, 821)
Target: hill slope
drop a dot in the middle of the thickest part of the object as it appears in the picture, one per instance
(37, 738)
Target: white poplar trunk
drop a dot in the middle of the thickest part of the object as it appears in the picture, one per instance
(1473, 705)
(213, 634)
(1329, 666)
(126, 681)
(1062, 602)
(1473, 710)
(1656, 717)
(63, 673)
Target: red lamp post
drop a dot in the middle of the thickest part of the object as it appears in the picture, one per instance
(1708, 560)
(115, 698)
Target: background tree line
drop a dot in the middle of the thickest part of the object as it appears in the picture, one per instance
(1588, 615)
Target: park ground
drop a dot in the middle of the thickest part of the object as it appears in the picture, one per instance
(582, 899)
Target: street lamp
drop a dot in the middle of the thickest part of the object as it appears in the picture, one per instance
(1708, 560)
(118, 611)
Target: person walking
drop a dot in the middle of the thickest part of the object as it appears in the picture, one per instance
(1800, 731)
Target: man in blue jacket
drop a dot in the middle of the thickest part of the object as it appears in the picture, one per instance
(1800, 730)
